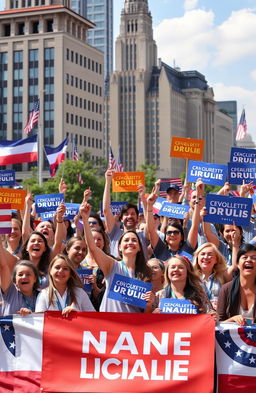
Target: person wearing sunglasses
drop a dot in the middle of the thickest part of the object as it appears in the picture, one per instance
(174, 242)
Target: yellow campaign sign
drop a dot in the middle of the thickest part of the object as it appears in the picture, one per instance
(127, 181)
(15, 197)
(189, 148)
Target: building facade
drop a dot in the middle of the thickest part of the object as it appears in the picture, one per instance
(149, 102)
(43, 53)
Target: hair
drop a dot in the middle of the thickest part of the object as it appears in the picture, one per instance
(71, 242)
(160, 263)
(218, 269)
(106, 247)
(235, 288)
(97, 217)
(50, 221)
(177, 226)
(193, 289)
(142, 270)
(32, 267)
(222, 227)
(125, 209)
(72, 283)
(70, 230)
(44, 260)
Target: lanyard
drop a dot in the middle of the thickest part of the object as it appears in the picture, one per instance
(209, 289)
(174, 296)
(31, 306)
(126, 269)
(58, 301)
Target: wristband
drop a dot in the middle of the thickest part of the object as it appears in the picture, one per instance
(59, 222)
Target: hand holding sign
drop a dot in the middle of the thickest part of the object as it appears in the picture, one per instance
(246, 188)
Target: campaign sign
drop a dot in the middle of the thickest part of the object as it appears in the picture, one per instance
(187, 148)
(71, 210)
(115, 208)
(177, 306)
(187, 255)
(243, 156)
(254, 196)
(83, 274)
(48, 202)
(47, 215)
(237, 173)
(7, 178)
(174, 210)
(158, 205)
(127, 181)
(129, 290)
(15, 197)
(209, 173)
(228, 210)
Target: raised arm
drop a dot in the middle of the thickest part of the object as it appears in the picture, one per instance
(104, 261)
(150, 224)
(210, 236)
(6, 265)
(193, 232)
(26, 228)
(109, 217)
(61, 230)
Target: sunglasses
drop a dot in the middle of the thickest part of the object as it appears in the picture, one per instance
(93, 222)
(169, 233)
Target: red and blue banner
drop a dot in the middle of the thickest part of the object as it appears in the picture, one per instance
(17, 152)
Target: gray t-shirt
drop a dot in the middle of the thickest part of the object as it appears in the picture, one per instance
(14, 300)
(115, 235)
(111, 305)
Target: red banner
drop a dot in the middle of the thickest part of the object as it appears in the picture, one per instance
(111, 352)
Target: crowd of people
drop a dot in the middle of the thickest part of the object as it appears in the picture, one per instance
(212, 266)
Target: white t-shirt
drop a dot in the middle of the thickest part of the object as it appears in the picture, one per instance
(83, 301)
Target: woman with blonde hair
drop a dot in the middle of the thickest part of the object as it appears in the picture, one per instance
(211, 267)
(65, 292)
(181, 282)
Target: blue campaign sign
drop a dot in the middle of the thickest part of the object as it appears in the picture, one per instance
(209, 173)
(173, 210)
(48, 202)
(83, 274)
(177, 306)
(129, 290)
(228, 210)
(187, 255)
(254, 197)
(47, 216)
(237, 173)
(71, 210)
(158, 204)
(115, 208)
(7, 178)
(243, 156)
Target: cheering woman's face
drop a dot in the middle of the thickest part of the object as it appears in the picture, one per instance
(207, 259)
(173, 237)
(129, 244)
(177, 271)
(60, 272)
(77, 252)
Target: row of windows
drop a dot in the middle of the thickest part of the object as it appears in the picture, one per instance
(83, 61)
(33, 28)
(83, 103)
(87, 141)
(83, 85)
(83, 122)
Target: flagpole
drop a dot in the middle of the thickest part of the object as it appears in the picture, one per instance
(40, 140)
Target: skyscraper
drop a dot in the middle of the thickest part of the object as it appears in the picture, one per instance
(149, 101)
(43, 52)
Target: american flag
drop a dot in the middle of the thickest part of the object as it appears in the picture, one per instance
(242, 127)
(166, 183)
(33, 118)
(75, 157)
(113, 163)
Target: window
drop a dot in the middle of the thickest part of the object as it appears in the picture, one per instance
(35, 27)
(67, 54)
(21, 28)
(67, 117)
(49, 25)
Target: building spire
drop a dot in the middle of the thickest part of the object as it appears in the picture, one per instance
(135, 6)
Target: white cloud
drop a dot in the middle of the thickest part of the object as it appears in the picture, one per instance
(245, 98)
(253, 74)
(190, 4)
(194, 41)
(186, 39)
(235, 37)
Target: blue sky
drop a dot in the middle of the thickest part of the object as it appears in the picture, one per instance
(216, 38)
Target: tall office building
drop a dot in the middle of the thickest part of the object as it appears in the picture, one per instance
(43, 53)
(79, 6)
(149, 102)
(101, 37)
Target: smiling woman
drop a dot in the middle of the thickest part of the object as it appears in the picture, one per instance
(237, 299)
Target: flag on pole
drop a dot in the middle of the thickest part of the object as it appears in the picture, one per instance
(56, 155)
(17, 152)
(242, 127)
(75, 157)
(113, 163)
(33, 118)
(5, 218)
